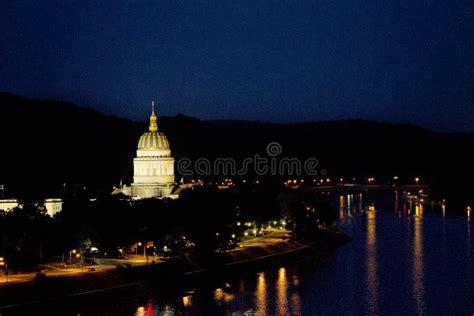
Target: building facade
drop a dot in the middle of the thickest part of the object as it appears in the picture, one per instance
(52, 206)
(153, 167)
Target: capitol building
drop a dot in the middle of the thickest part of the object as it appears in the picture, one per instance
(153, 167)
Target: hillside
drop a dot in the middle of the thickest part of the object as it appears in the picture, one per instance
(47, 143)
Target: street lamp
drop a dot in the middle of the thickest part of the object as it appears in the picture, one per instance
(3, 263)
(71, 252)
(417, 180)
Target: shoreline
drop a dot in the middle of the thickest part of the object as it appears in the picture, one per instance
(18, 295)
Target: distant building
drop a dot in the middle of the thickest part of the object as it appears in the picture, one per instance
(52, 206)
(153, 168)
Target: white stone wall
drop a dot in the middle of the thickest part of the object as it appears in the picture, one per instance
(153, 170)
(8, 204)
(52, 206)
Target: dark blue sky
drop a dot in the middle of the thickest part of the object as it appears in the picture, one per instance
(400, 61)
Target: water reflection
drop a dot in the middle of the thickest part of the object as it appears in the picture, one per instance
(396, 202)
(419, 209)
(282, 289)
(350, 205)
(221, 296)
(295, 304)
(371, 263)
(418, 269)
(140, 311)
(187, 301)
(150, 311)
(261, 294)
(341, 207)
(395, 264)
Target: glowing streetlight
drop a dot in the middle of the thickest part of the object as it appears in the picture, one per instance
(71, 252)
(417, 180)
(3, 264)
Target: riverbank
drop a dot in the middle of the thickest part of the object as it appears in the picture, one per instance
(256, 252)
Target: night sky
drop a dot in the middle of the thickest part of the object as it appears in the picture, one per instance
(399, 61)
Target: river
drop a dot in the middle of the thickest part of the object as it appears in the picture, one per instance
(402, 260)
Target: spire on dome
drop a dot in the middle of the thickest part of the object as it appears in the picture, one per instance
(153, 127)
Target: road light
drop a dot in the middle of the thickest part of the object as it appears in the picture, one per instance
(3, 264)
(417, 180)
(71, 252)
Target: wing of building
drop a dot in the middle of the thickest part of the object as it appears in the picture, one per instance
(52, 206)
(153, 167)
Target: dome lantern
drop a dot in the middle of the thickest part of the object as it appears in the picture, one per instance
(153, 127)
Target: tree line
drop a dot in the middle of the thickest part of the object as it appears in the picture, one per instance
(202, 222)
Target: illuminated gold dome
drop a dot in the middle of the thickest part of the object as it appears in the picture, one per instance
(153, 141)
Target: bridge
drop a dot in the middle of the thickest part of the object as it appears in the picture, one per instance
(366, 187)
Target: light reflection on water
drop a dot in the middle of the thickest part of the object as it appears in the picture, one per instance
(261, 294)
(371, 264)
(418, 270)
(387, 262)
(282, 290)
(402, 260)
